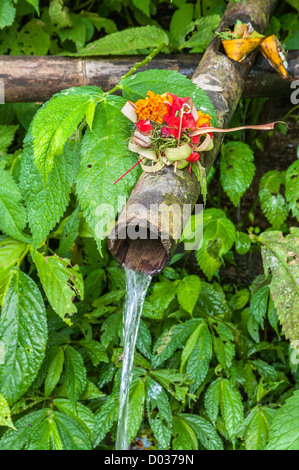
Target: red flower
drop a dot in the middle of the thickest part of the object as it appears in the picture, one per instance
(195, 139)
(193, 157)
(144, 126)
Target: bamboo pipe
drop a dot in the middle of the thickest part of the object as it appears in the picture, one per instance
(223, 80)
(37, 78)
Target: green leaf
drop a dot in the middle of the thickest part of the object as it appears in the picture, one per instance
(69, 233)
(55, 121)
(184, 438)
(257, 431)
(201, 38)
(224, 351)
(54, 372)
(105, 158)
(16, 440)
(75, 373)
(212, 400)
(236, 169)
(284, 431)
(13, 216)
(35, 4)
(188, 292)
(95, 351)
(79, 32)
(294, 4)
(60, 283)
(135, 412)
(204, 431)
(128, 41)
(7, 13)
(143, 5)
(259, 304)
(162, 294)
(242, 243)
(179, 22)
(239, 300)
(292, 188)
(219, 234)
(231, 407)
(161, 81)
(100, 23)
(280, 257)
(7, 135)
(159, 412)
(59, 14)
(5, 415)
(82, 414)
(23, 335)
(46, 204)
(212, 301)
(105, 419)
(10, 253)
(33, 39)
(273, 204)
(176, 384)
(91, 108)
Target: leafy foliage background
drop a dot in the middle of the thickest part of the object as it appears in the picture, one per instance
(216, 364)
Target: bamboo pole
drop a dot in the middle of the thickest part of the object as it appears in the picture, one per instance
(223, 79)
(37, 78)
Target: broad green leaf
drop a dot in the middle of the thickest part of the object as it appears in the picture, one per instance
(46, 204)
(23, 335)
(5, 415)
(59, 14)
(181, 18)
(91, 108)
(284, 431)
(54, 372)
(82, 414)
(144, 340)
(135, 412)
(236, 169)
(239, 300)
(259, 304)
(128, 41)
(184, 438)
(7, 13)
(172, 381)
(75, 373)
(61, 283)
(105, 419)
(292, 188)
(225, 351)
(10, 253)
(204, 431)
(205, 28)
(16, 440)
(13, 216)
(105, 158)
(7, 134)
(212, 301)
(161, 296)
(55, 122)
(219, 234)
(171, 340)
(159, 412)
(280, 257)
(100, 23)
(69, 233)
(294, 4)
(231, 407)
(35, 4)
(273, 204)
(32, 39)
(161, 81)
(188, 292)
(80, 32)
(242, 243)
(257, 431)
(143, 5)
(95, 351)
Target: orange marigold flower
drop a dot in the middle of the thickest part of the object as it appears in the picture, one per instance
(203, 119)
(153, 107)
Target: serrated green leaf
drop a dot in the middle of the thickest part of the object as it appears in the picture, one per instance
(54, 372)
(82, 414)
(236, 169)
(204, 431)
(280, 257)
(172, 381)
(292, 188)
(5, 415)
(55, 122)
(242, 243)
(69, 233)
(13, 216)
(16, 440)
(23, 335)
(61, 282)
(144, 340)
(225, 352)
(231, 407)
(7, 134)
(159, 412)
(100, 23)
(256, 435)
(105, 419)
(10, 253)
(7, 13)
(125, 42)
(212, 301)
(59, 14)
(179, 21)
(95, 351)
(35, 4)
(75, 373)
(91, 108)
(205, 28)
(105, 158)
(46, 204)
(273, 204)
(219, 234)
(33, 39)
(79, 32)
(284, 431)
(188, 292)
(184, 438)
(259, 304)
(162, 81)
(143, 5)
(135, 412)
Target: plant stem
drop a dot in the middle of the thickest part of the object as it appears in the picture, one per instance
(138, 66)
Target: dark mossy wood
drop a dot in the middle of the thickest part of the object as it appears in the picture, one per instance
(223, 79)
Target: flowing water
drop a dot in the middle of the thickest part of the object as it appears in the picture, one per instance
(137, 285)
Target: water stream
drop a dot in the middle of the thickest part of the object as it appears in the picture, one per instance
(137, 285)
